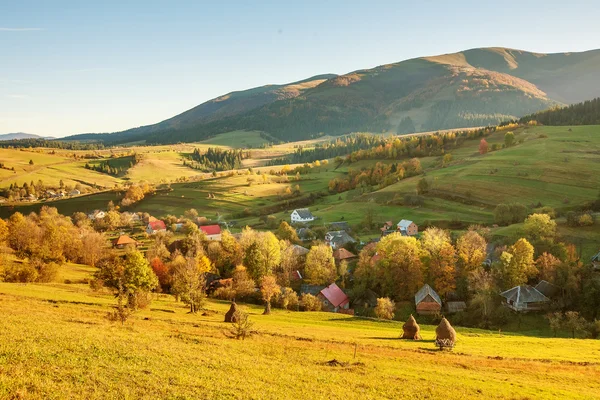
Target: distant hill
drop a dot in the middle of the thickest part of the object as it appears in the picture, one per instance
(20, 135)
(471, 88)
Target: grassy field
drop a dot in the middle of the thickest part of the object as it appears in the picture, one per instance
(55, 342)
(237, 139)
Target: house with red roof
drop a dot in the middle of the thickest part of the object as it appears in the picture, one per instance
(334, 299)
(123, 241)
(155, 226)
(212, 232)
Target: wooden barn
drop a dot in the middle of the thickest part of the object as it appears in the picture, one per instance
(427, 301)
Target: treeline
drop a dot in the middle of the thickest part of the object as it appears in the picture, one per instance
(586, 113)
(380, 175)
(55, 144)
(216, 159)
(115, 167)
(338, 147)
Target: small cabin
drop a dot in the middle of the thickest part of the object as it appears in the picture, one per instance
(407, 228)
(301, 215)
(333, 298)
(427, 301)
(524, 298)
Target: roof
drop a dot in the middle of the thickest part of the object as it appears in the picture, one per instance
(123, 240)
(335, 295)
(455, 306)
(596, 257)
(338, 226)
(524, 294)
(547, 289)
(299, 250)
(311, 289)
(424, 291)
(340, 238)
(157, 225)
(404, 224)
(343, 254)
(375, 259)
(304, 213)
(152, 219)
(211, 229)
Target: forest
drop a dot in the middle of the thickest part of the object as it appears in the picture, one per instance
(216, 159)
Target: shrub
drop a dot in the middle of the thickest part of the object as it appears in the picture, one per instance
(22, 273)
(385, 308)
(288, 299)
(586, 220)
(310, 302)
(48, 272)
(241, 328)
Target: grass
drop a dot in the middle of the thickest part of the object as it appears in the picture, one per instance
(237, 139)
(55, 342)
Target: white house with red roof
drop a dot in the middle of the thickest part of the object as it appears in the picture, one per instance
(333, 298)
(212, 232)
(155, 226)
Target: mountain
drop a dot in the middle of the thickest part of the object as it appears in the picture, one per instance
(19, 135)
(470, 88)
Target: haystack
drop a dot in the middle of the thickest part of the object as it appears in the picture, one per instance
(445, 335)
(231, 315)
(411, 329)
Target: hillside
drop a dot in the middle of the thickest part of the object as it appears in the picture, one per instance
(18, 136)
(471, 88)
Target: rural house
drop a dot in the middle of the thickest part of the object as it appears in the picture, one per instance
(343, 255)
(299, 251)
(155, 226)
(524, 298)
(333, 298)
(96, 214)
(547, 289)
(302, 215)
(338, 239)
(408, 228)
(123, 241)
(212, 232)
(427, 301)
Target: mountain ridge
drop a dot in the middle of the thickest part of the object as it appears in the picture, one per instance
(475, 87)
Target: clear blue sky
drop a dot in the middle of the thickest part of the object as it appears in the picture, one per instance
(101, 66)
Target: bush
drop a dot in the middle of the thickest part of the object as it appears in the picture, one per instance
(595, 329)
(242, 327)
(310, 302)
(288, 299)
(47, 272)
(20, 272)
(385, 308)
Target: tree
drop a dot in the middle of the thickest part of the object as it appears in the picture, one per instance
(3, 231)
(441, 260)
(112, 220)
(320, 265)
(516, 265)
(483, 146)
(471, 252)
(447, 159)
(385, 308)
(539, 226)
(192, 214)
(547, 264)
(286, 232)
(400, 271)
(268, 289)
(189, 283)
(369, 218)
(555, 321)
(242, 284)
(574, 323)
(509, 139)
(422, 186)
(94, 247)
(130, 277)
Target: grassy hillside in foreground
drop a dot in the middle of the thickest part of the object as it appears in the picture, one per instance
(56, 341)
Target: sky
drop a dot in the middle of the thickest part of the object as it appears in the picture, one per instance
(69, 67)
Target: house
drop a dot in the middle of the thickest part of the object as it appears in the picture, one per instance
(368, 299)
(547, 289)
(51, 193)
(387, 228)
(302, 215)
(453, 307)
(343, 255)
(333, 298)
(74, 192)
(305, 234)
(338, 239)
(524, 298)
(155, 226)
(407, 228)
(123, 241)
(212, 232)
(596, 262)
(96, 214)
(311, 289)
(299, 251)
(427, 301)
(31, 197)
(339, 226)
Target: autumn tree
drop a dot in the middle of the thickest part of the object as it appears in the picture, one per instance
(440, 260)
(574, 323)
(400, 271)
(385, 308)
(471, 252)
(516, 265)
(320, 265)
(286, 232)
(242, 285)
(509, 139)
(547, 265)
(94, 247)
(189, 282)
(268, 289)
(539, 226)
(483, 146)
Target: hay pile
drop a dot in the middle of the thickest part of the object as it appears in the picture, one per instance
(445, 335)
(411, 329)
(231, 315)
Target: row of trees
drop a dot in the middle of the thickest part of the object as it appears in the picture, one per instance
(115, 167)
(586, 113)
(216, 159)
(380, 175)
